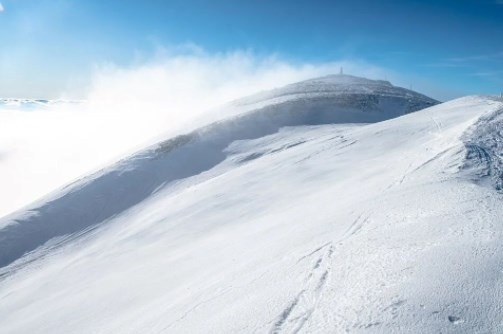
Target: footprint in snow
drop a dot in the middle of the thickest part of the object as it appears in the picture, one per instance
(455, 320)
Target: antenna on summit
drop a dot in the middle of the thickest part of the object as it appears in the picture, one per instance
(341, 71)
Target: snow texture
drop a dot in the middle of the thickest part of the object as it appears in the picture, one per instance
(113, 190)
(47, 144)
(278, 220)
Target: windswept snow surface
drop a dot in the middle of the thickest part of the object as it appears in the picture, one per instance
(392, 227)
(113, 190)
(45, 144)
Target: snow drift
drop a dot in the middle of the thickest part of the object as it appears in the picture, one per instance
(278, 220)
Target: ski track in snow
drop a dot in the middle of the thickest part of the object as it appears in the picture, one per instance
(295, 315)
(293, 318)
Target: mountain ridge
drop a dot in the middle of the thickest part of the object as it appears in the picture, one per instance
(348, 238)
(255, 224)
(177, 158)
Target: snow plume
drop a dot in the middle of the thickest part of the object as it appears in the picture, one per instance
(129, 107)
(173, 89)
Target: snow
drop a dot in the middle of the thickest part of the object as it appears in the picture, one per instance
(112, 190)
(341, 91)
(45, 144)
(336, 85)
(388, 227)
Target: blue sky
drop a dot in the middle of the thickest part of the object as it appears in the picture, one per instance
(47, 46)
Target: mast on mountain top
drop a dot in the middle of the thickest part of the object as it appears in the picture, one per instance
(341, 71)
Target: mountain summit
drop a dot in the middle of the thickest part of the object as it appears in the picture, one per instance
(340, 98)
(343, 84)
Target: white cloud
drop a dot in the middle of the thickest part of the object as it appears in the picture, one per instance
(1, 8)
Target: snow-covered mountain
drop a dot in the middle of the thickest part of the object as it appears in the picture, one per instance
(295, 215)
(60, 141)
(329, 100)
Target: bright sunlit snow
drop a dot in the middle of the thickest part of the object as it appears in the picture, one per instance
(294, 215)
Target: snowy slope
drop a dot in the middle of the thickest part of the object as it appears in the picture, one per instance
(47, 144)
(389, 227)
(113, 190)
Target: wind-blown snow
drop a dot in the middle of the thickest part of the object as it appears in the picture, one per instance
(239, 227)
(113, 190)
(46, 144)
